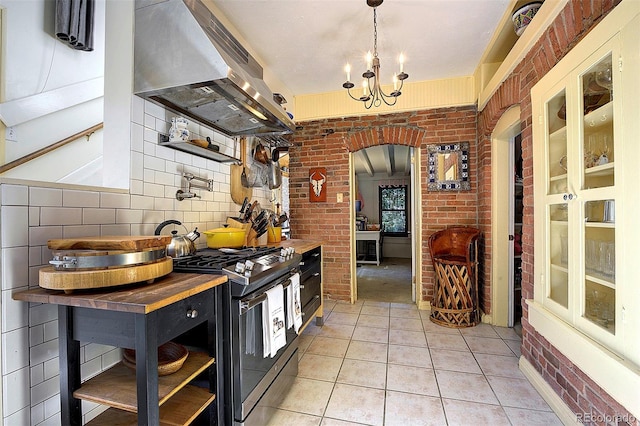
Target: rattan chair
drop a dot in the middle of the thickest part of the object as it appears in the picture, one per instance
(455, 295)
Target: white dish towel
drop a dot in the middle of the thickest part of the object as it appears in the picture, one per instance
(273, 326)
(294, 311)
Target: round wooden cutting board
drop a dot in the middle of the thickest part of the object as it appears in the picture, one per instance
(101, 278)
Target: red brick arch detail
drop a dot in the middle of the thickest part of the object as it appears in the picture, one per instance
(392, 135)
(507, 95)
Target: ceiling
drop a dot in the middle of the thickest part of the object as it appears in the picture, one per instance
(307, 43)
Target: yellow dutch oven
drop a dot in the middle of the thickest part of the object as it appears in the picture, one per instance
(225, 237)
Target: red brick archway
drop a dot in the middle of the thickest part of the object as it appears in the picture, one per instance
(392, 135)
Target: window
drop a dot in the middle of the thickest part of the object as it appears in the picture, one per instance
(394, 210)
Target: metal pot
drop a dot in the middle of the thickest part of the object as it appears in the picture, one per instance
(275, 175)
(225, 237)
(181, 245)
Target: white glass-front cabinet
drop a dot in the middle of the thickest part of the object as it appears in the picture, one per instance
(587, 250)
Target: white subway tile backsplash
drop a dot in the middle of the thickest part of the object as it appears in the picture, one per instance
(36, 334)
(45, 197)
(38, 236)
(14, 195)
(184, 158)
(114, 200)
(163, 204)
(76, 198)
(153, 190)
(149, 176)
(45, 390)
(15, 314)
(80, 231)
(199, 162)
(122, 229)
(95, 350)
(111, 358)
(15, 267)
(154, 163)
(156, 217)
(137, 165)
(155, 110)
(18, 398)
(128, 216)
(40, 314)
(37, 374)
(51, 330)
(35, 256)
(141, 202)
(60, 216)
(149, 121)
(137, 138)
(149, 137)
(44, 351)
(164, 178)
(137, 109)
(99, 216)
(165, 153)
(21, 417)
(51, 368)
(149, 150)
(15, 224)
(136, 187)
(34, 216)
(90, 368)
(15, 350)
(52, 407)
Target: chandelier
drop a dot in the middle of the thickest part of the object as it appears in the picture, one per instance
(372, 93)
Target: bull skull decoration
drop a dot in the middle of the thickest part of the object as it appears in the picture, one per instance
(317, 180)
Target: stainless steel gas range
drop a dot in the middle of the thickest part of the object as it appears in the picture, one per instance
(252, 383)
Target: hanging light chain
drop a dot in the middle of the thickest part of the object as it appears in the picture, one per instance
(375, 33)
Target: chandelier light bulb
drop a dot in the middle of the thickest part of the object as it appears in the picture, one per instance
(347, 69)
(369, 59)
(364, 87)
(401, 60)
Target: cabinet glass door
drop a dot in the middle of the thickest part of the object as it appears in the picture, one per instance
(598, 180)
(557, 160)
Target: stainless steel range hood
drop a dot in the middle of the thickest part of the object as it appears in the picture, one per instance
(186, 61)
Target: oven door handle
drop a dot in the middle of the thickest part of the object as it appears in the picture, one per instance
(248, 304)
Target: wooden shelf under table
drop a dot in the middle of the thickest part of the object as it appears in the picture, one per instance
(116, 387)
(181, 409)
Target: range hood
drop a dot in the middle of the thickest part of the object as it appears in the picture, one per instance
(186, 61)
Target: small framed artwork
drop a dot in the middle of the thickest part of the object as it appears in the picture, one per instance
(317, 184)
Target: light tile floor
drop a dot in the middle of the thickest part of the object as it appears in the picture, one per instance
(377, 363)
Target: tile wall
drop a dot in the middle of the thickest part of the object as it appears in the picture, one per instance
(32, 213)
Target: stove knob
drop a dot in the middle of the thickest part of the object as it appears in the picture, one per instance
(248, 265)
(239, 267)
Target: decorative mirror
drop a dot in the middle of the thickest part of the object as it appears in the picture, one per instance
(448, 167)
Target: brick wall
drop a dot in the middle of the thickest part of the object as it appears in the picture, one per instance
(579, 392)
(327, 143)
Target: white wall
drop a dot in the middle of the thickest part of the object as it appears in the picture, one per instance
(43, 84)
(368, 188)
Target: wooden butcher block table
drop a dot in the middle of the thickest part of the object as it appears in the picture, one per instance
(101, 262)
(140, 317)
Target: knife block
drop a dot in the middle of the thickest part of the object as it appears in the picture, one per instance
(246, 226)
